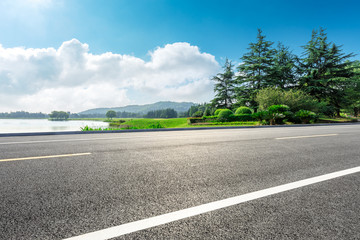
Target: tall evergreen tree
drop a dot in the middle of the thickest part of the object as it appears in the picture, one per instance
(326, 70)
(256, 70)
(285, 69)
(352, 92)
(224, 87)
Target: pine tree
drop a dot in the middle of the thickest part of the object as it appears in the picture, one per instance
(352, 92)
(255, 71)
(284, 69)
(326, 70)
(224, 87)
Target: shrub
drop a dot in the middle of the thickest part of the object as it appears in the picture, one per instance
(306, 116)
(217, 111)
(209, 118)
(261, 115)
(225, 115)
(278, 109)
(194, 120)
(155, 125)
(243, 110)
(326, 109)
(295, 99)
(277, 114)
(242, 117)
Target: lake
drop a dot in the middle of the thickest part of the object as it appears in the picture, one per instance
(44, 125)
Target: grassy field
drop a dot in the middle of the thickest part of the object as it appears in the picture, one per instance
(162, 123)
(148, 123)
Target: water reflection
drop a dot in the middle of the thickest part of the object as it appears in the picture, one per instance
(44, 125)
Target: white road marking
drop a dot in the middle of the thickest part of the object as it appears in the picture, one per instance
(131, 227)
(42, 157)
(309, 136)
(65, 140)
(108, 138)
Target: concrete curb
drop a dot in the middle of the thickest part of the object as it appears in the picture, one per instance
(167, 129)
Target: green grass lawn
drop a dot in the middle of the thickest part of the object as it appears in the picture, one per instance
(142, 123)
(146, 123)
(149, 123)
(338, 120)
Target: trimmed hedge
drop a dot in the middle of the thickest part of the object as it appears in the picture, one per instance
(242, 117)
(217, 111)
(225, 115)
(243, 110)
(194, 120)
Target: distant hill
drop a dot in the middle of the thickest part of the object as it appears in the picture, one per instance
(177, 106)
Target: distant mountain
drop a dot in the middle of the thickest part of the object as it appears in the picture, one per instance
(177, 106)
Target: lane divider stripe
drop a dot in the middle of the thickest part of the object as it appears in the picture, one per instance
(310, 136)
(42, 157)
(131, 227)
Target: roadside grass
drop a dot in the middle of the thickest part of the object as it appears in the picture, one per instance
(150, 123)
(164, 123)
(96, 119)
(338, 120)
(216, 124)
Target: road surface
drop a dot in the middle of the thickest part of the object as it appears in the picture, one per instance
(63, 186)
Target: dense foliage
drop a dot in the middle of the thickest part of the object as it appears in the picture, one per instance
(323, 79)
(243, 110)
(255, 70)
(224, 87)
(59, 115)
(295, 99)
(110, 114)
(22, 114)
(225, 115)
(164, 113)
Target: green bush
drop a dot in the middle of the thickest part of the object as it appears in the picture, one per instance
(209, 118)
(295, 99)
(278, 109)
(306, 116)
(217, 111)
(225, 115)
(326, 110)
(242, 117)
(155, 125)
(275, 114)
(261, 115)
(243, 110)
(194, 120)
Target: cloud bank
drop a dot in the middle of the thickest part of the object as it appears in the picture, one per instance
(71, 78)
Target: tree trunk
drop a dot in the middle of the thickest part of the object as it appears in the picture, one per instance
(338, 112)
(356, 111)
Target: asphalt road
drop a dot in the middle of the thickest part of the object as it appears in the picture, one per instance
(125, 177)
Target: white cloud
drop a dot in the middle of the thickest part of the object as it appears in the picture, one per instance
(71, 78)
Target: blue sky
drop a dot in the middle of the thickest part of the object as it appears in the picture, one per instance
(141, 29)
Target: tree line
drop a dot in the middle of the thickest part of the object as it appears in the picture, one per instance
(323, 72)
(162, 113)
(59, 115)
(23, 114)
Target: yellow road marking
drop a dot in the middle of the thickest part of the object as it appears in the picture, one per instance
(310, 136)
(42, 157)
